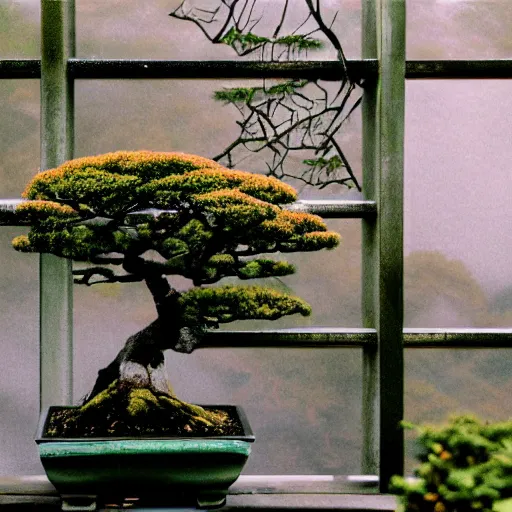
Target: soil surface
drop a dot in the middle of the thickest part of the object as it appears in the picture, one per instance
(113, 419)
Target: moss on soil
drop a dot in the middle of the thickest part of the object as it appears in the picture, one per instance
(127, 410)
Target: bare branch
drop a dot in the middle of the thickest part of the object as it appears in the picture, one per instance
(290, 116)
(281, 21)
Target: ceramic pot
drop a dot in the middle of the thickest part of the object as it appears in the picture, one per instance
(171, 468)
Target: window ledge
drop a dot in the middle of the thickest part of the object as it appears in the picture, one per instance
(265, 493)
(304, 502)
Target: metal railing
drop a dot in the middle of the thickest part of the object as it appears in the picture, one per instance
(382, 71)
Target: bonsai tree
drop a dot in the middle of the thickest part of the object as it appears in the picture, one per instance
(465, 466)
(148, 216)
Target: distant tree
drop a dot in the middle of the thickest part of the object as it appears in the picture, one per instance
(430, 277)
(17, 33)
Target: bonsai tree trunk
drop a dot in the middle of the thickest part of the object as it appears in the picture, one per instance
(139, 367)
(141, 361)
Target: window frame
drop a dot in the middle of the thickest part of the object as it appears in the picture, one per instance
(383, 71)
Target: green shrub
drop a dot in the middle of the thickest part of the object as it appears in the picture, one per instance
(465, 466)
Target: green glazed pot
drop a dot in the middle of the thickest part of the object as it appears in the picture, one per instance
(201, 468)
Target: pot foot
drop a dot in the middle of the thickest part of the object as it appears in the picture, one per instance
(212, 499)
(78, 503)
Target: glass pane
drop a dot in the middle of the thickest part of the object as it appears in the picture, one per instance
(19, 288)
(178, 115)
(19, 378)
(19, 29)
(444, 382)
(457, 203)
(459, 29)
(19, 135)
(145, 29)
(182, 116)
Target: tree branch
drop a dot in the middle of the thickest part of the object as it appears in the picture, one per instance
(110, 277)
(271, 120)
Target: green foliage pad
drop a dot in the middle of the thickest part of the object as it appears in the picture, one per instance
(206, 223)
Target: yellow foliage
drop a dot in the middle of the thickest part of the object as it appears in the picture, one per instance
(236, 209)
(287, 223)
(144, 164)
(22, 243)
(45, 208)
(304, 222)
(180, 186)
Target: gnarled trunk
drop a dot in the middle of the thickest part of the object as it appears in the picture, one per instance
(137, 379)
(141, 361)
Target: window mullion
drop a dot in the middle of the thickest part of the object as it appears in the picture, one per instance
(370, 374)
(383, 139)
(56, 328)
